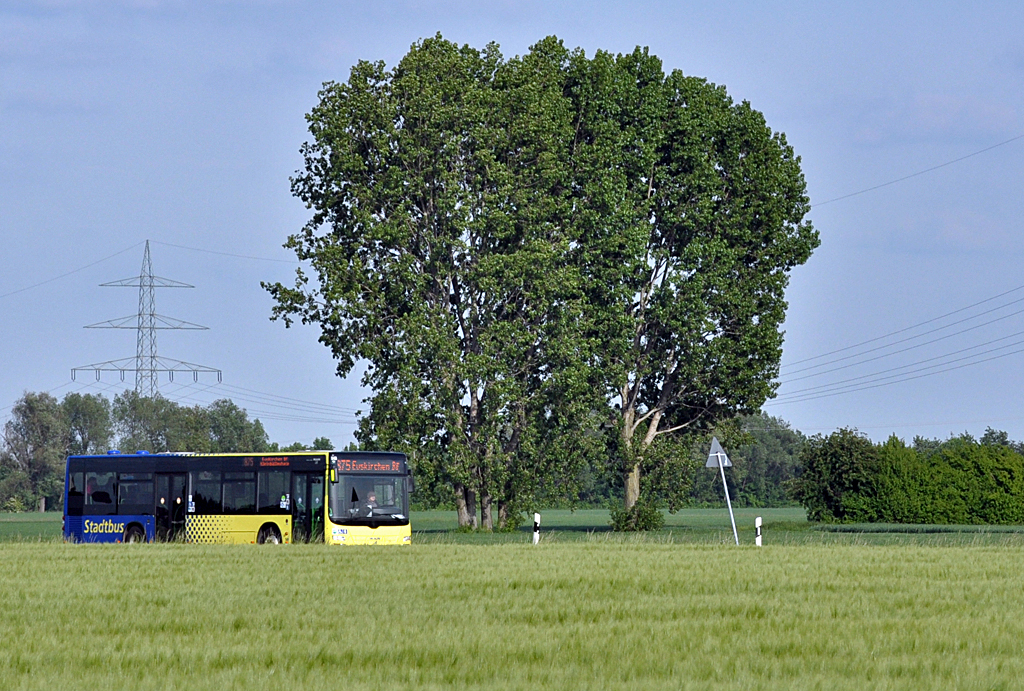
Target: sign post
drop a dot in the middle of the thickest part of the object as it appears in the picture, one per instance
(719, 459)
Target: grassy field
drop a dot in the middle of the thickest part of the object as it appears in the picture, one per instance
(586, 609)
(585, 614)
(787, 526)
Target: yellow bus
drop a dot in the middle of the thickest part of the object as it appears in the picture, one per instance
(336, 497)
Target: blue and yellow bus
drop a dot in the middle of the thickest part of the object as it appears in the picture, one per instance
(337, 497)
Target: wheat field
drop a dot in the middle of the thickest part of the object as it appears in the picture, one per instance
(595, 613)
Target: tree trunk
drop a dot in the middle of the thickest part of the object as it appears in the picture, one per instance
(502, 515)
(486, 521)
(632, 485)
(42, 504)
(631, 478)
(471, 508)
(461, 509)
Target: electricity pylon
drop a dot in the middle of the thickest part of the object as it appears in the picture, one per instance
(147, 364)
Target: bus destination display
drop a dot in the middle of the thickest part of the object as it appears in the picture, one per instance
(383, 465)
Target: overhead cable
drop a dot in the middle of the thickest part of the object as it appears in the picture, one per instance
(69, 273)
(920, 172)
(907, 328)
(786, 380)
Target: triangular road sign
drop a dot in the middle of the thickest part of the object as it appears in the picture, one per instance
(717, 449)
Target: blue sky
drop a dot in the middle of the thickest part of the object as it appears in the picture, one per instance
(181, 123)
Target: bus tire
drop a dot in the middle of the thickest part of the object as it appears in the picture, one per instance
(134, 533)
(268, 535)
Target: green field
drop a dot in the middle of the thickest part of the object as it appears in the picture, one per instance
(786, 526)
(589, 614)
(585, 609)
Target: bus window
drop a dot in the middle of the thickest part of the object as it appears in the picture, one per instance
(99, 494)
(76, 493)
(135, 493)
(274, 492)
(240, 492)
(206, 491)
(364, 498)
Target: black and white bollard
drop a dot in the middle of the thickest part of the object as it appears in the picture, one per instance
(536, 528)
(757, 525)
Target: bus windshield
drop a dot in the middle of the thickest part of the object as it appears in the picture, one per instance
(360, 499)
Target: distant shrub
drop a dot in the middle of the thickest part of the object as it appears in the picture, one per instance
(837, 482)
(642, 516)
(13, 505)
(848, 479)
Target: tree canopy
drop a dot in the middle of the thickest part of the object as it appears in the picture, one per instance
(43, 431)
(542, 261)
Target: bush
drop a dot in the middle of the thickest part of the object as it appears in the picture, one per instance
(644, 515)
(848, 479)
(837, 482)
(13, 505)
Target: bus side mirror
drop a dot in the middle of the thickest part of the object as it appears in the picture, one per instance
(334, 476)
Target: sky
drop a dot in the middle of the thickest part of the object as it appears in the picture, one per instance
(180, 123)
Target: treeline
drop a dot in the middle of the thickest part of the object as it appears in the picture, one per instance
(847, 478)
(765, 452)
(43, 431)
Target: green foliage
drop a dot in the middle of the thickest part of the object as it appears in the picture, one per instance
(509, 244)
(230, 429)
(441, 237)
(641, 516)
(294, 446)
(34, 444)
(158, 424)
(42, 432)
(88, 418)
(13, 504)
(838, 482)
(698, 218)
(960, 481)
(765, 452)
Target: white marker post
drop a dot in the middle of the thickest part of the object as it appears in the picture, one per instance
(719, 459)
(757, 526)
(536, 528)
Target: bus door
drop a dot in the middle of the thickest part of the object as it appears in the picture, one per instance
(170, 506)
(307, 506)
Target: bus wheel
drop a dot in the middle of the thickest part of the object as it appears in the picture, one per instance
(268, 536)
(134, 534)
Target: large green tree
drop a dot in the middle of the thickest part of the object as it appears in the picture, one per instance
(442, 196)
(524, 250)
(699, 217)
(34, 445)
(89, 425)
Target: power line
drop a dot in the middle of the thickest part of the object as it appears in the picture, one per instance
(69, 273)
(271, 415)
(311, 408)
(840, 383)
(847, 390)
(908, 328)
(904, 350)
(920, 172)
(294, 400)
(225, 254)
